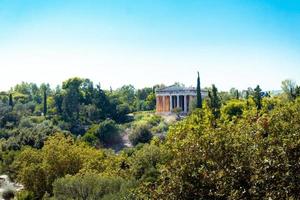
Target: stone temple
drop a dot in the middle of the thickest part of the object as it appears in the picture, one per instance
(176, 96)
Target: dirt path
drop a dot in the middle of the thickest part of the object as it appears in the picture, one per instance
(124, 142)
(125, 138)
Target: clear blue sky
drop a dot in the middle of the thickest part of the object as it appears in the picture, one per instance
(234, 43)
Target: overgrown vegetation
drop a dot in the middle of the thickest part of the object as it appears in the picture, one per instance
(239, 145)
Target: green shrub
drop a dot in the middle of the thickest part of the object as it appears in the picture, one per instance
(91, 139)
(162, 127)
(108, 132)
(140, 134)
(90, 186)
(233, 108)
(144, 162)
(24, 195)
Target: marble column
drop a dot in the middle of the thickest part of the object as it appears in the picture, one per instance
(171, 103)
(178, 106)
(163, 102)
(157, 104)
(185, 103)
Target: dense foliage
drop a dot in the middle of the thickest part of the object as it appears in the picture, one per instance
(239, 145)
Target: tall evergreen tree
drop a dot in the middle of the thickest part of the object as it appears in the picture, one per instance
(297, 91)
(247, 94)
(237, 94)
(10, 101)
(257, 97)
(199, 97)
(45, 102)
(215, 101)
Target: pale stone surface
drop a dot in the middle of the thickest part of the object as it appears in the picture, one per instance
(165, 104)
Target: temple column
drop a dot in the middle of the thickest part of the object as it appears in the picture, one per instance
(171, 103)
(160, 104)
(185, 103)
(157, 104)
(178, 106)
(163, 104)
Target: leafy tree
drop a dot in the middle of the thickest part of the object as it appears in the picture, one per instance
(71, 100)
(288, 86)
(60, 156)
(143, 93)
(127, 95)
(248, 159)
(102, 102)
(151, 101)
(87, 91)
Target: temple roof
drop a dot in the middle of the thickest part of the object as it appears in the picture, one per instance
(176, 88)
(179, 90)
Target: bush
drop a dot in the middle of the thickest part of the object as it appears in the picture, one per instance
(25, 122)
(145, 161)
(24, 195)
(31, 134)
(91, 139)
(140, 134)
(89, 186)
(162, 127)
(233, 108)
(108, 132)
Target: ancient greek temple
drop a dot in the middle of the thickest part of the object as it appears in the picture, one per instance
(169, 98)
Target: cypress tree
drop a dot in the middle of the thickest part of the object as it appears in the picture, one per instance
(257, 97)
(237, 94)
(199, 97)
(10, 101)
(247, 95)
(45, 102)
(292, 94)
(215, 102)
(297, 91)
